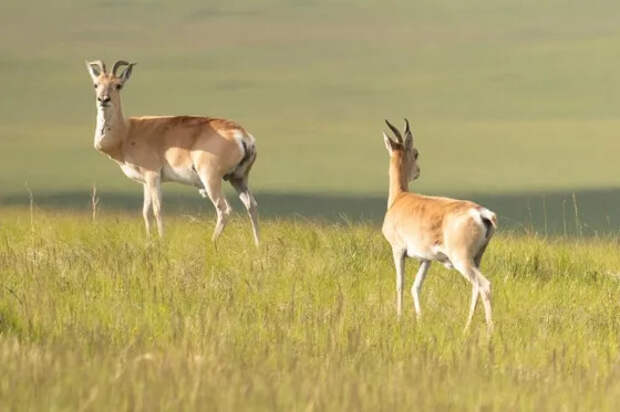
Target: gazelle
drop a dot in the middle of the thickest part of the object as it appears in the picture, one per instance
(453, 232)
(196, 151)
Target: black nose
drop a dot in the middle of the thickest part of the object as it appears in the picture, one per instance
(104, 99)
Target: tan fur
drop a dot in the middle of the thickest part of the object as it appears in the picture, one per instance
(181, 141)
(429, 228)
(199, 151)
(431, 221)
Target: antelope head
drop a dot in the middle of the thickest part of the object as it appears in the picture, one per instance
(108, 84)
(402, 150)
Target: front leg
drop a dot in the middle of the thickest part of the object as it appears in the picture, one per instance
(417, 286)
(399, 263)
(146, 209)
(153, 185)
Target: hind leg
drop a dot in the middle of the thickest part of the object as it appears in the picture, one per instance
(475, 291)
(480, 287)
(485, 294)
(485, 288)
(248, 200)
(213, 188)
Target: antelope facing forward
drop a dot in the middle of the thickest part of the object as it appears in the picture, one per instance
(196, 151)
(453, 232)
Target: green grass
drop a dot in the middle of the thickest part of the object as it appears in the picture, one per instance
(94, 317)
(513, 103)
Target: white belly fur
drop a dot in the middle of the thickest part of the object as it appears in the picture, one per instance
(132, 172)
(434, 254)
(185, 175)
(416, 253)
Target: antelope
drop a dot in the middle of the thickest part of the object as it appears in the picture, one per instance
(191, 150)
(452, 232)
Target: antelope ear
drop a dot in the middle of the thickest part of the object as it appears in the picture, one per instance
(95, 69)
(389, 143)
(126, 74)
(408, 136)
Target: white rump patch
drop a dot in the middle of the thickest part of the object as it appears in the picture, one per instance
(478, 215)
(239, 137)
(487, 214)
(246, 149)
(475, 213)
(482, 213)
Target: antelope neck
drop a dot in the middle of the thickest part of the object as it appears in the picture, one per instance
(109, 130)
(398, 178)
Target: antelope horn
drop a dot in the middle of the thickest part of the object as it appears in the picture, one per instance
(407, 129)
(395, 131)
(119, 64)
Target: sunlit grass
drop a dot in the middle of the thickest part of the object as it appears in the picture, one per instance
(94, 316)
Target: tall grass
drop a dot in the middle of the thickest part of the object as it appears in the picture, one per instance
(94, 317)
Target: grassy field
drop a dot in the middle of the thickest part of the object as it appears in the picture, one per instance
(514, 104)
(93, 317)
(508, 98)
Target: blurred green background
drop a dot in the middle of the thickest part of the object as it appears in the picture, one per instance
(513, 103)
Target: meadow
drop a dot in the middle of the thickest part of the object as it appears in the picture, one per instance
(514, 104)
(94, 317)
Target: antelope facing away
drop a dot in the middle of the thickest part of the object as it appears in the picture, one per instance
(453, 232)
(196, 151)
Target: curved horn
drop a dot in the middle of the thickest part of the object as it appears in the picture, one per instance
(395, 131)
(117, 65)
(408, 135)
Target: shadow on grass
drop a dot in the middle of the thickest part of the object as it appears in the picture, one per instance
(586, 212)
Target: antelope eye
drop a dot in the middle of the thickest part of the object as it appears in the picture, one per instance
(96, 86)
(119, 86)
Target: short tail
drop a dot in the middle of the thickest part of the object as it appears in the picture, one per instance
(248, 144)
(490, 221)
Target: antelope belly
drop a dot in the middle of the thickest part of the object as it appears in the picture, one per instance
(182, 174)
(132, 172)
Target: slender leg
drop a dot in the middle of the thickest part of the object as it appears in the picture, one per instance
(248, 200)
(146, 209)
(417, 286)
(480, 286)
(153, 182)
(474, 301)
(399, 262)
(484, 287)
(485, 293)
(213, 186)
